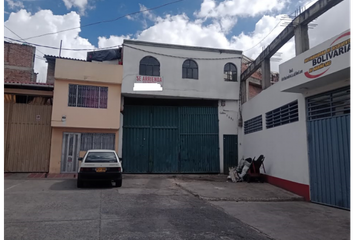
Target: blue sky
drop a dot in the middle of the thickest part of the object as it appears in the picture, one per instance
(246, 25)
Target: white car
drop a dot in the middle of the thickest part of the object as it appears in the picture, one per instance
(100, 165)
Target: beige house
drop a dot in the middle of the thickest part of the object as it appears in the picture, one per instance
(86, 109)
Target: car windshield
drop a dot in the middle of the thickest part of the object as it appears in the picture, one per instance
(101, 157)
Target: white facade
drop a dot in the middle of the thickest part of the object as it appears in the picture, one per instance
(285, 147)
(228, 120)
(210, 84)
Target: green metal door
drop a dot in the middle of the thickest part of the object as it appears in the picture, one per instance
(136, 139)
(164, 139)
(230, 152)
(199, 140)
(170, 139)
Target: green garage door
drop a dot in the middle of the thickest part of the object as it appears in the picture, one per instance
(170, 139)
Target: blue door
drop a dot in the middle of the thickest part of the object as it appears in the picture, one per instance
(328, 117)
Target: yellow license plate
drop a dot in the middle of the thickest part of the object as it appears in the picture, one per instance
(101, 169)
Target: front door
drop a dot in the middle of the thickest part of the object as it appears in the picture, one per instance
(70, 152)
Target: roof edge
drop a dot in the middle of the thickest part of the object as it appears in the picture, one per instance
(175, 46)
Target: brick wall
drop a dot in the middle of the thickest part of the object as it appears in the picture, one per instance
(17, 75)
(19, 63)
(19, 55)
(253, 90)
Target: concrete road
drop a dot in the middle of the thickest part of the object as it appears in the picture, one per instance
(146, 207)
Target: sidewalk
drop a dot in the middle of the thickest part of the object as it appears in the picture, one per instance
(215, 190)
(271, 210)
(15, 176)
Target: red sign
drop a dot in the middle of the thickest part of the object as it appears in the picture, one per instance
(148, 79)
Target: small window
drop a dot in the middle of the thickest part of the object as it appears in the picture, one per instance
(190, 69)
(329, 104)
(97, 141)
(87, 96)
(285, 114)
(230, 72)
(149, 66)
(253, 125)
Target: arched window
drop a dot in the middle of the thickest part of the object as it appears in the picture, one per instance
(230, 72)
(190, 69)
(149, 66)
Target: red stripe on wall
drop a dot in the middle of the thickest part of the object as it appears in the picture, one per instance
(294, 187)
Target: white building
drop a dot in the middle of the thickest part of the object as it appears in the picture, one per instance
(302, 124)
(190, 125)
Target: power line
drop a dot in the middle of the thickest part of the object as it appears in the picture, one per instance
(68, 49)
(264, 37)
(20, 37)
(106, 21)
(167, 55)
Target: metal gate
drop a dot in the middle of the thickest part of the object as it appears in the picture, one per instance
(70, 152)
(328, 117)
(170, 139)
(230, 152)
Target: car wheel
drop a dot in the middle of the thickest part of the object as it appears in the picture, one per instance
(118, 183)
(80, 184)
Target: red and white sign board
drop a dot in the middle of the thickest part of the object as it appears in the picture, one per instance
(148, 79)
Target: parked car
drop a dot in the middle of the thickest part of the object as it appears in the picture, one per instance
(100, 165)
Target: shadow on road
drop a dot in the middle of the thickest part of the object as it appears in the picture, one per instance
(70, 184)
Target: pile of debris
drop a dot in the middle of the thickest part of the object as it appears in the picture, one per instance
(247, 170)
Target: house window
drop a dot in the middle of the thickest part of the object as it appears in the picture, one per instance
(87, 96)
(230, 72)
(97, 141)
(285, 114)
(253, 125)
(149, 66)
(190, 69)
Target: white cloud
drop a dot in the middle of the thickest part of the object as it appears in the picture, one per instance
(147, 13)
(239, 8)
(13, 4)
(27, 25)
(104, 42)
(81, 4)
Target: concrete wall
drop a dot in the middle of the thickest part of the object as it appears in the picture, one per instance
(284, 147)
(228, 121)
(19, 62)
(85, 117)
(210, 83)
(57, 142)
(88, 71)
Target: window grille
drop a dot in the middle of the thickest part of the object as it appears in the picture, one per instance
(190, 69)
(253, 125)
(230, 72)
(285, 114)
(97, 141)
(149, 66)
(330, 104)
(87, 96)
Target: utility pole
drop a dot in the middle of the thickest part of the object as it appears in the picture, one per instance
(61, 41)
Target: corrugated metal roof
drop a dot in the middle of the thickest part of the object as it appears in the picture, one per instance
(55, 57)
(37, 84)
